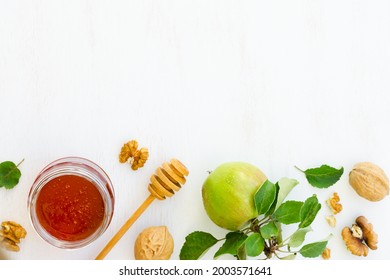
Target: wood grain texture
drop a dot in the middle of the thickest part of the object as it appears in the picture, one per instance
(274, 83)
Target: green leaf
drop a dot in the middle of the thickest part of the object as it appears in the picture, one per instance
(313, 250)
(196, 244)
(254, 245)
(298, 237)
(241, 252)
(269, 230)
(279, 236)
(264, 197)
(309, 211)
(323, 176)
(233, 242)
(285, 187)
(9, 174)
(288, 212)
(271, 210)
(288, 257)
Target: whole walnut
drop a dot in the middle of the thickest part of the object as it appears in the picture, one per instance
(154, 243)
(369, 181)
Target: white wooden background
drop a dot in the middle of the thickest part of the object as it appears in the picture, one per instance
(274, 83)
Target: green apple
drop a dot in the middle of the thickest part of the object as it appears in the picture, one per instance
(228, 194)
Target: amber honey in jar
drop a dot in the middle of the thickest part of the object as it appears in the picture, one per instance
(71, 202)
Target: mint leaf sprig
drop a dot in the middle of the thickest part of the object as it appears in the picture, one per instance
(9, 174)
(263, 236)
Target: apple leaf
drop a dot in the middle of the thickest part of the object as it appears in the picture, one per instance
(309, 211)
(269, 230)
(285, 186)
(264, 197)
(241, 252)
(298, 237)
(271, 210)
(196, 244)
(288, 257)
(233, 242)
(289, 212)
(313, 250)
(279, 236)
(323, 176)
(254, 245)
(9, 174)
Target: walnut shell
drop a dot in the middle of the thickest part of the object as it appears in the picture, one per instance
(369, 181)
(154, 243)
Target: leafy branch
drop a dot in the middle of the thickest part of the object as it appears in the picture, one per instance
(263, 238)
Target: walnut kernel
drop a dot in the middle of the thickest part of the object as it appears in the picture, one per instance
(360, 237)
(369, 235)
(10, 235)
(354, 245)
(128, 150)
(139, 159)
(331, 219)
(357, 232)
(130, 153)
(326, 254)
(154, 243)
(333, 203)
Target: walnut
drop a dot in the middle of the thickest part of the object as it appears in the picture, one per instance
(154, 243)
(333, 203)
(130, 153)
(357, 232)
(369, 235)
(354, 245)
(9, 245)
(10, 235)
(139, 159)
(331, 219)
(369, 181)
(128, 150)
(326, 254)
(360, 237)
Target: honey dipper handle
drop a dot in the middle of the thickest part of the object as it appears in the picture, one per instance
(125, 227)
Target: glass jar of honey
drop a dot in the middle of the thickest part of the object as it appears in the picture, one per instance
(71, 202)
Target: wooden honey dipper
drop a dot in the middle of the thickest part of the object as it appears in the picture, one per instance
(166, 180)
